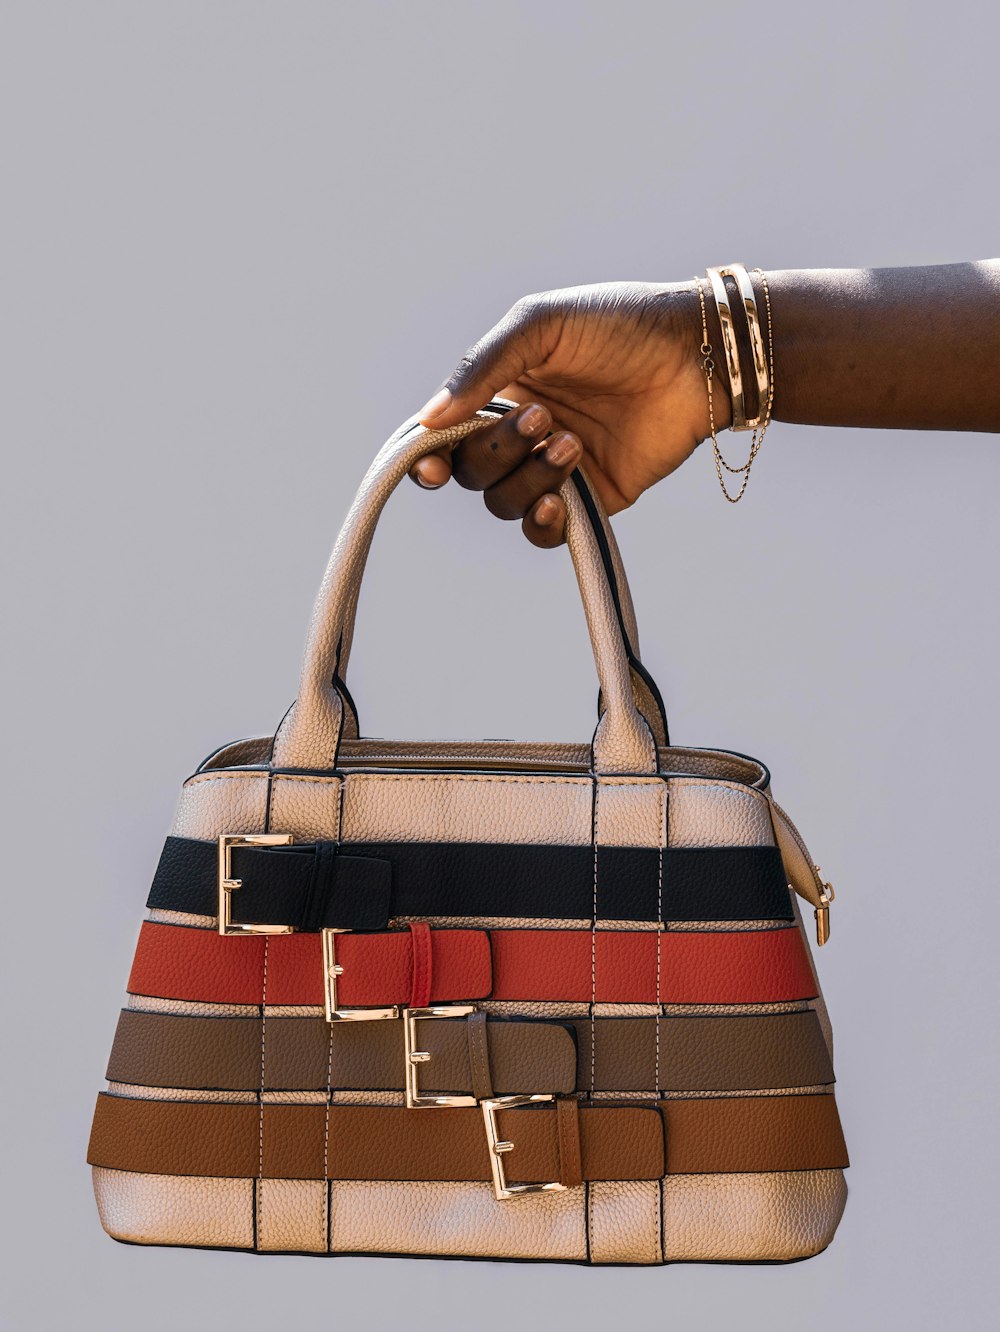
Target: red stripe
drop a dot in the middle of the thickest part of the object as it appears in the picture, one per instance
(423, 964)
(738, 967)
(731, 967)
(177, 962)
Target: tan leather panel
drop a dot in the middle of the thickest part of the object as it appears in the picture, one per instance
(447, 1218)
(733, 1218)
(291, 1215)
(215, 804)
(137, 1092)
(147, 1003)
(467, 807)
(753, 1217)
(306, 807)
(631, 811)
(707, 813)
(501, 807)
(625, 1222)
(158, 1209)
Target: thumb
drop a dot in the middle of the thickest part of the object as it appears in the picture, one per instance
(520, 342)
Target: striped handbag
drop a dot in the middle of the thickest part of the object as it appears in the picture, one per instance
(502, 999)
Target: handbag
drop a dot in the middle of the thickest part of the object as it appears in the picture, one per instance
(504, 1000)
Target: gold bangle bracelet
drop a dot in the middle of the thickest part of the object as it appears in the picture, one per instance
(739, 274)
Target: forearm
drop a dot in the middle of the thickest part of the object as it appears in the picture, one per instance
(906, 348)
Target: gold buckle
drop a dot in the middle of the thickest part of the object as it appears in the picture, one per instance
(499, 1146)
(413, 1058)
(331, 970)
(228, 885)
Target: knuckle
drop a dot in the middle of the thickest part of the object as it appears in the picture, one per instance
(466, 368)
(499, 506)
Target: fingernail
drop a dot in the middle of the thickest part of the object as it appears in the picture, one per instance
(561, 450)
(424, 471)
(546, 510)
(533, 419)
(435, 406)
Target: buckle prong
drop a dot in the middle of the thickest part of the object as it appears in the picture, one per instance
(332, 971)
(499, 1146)
(414, 1057)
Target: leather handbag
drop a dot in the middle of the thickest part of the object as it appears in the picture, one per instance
(518, 1000)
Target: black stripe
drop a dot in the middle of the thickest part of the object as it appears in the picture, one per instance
(362, 885)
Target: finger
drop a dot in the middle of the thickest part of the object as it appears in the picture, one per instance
(433, 469)
(545, 524)
(518, 343)
(542, 472)
(495, 450)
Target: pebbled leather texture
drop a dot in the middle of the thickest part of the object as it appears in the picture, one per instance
(624, 966)
(310, 734)
(706, 1218)
(715, 1002)
(506, 1056)
(751, 1218)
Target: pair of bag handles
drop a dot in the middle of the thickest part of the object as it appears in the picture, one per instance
(632, 721)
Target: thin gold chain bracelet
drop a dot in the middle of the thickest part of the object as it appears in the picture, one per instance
(708, 366)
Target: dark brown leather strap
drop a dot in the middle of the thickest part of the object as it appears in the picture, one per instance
(368, 1142)
(483, 1056)
(476, 1026)
(225, 1054)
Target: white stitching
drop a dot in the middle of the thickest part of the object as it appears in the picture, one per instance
(659, 926)
(595, 830)
(260, 1160)
(326, 1143)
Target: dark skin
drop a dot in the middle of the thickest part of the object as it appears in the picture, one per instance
(611, 374)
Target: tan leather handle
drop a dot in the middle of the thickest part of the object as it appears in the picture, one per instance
(311, 731)
(644, 690)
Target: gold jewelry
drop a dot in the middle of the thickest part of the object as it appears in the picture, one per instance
(739, 275)
(708, 365)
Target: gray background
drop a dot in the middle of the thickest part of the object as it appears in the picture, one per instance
(241, 243)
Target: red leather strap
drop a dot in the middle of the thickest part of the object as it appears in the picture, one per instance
(696, 967)
(179, 962)
(423, 970)
(719, 967)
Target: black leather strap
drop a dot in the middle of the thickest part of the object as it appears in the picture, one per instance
(310, 885)
(362, 885)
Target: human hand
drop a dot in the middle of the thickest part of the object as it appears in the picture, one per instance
(613, 370)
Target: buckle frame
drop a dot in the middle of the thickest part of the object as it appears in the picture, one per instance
(332, 969)
(414, 1057)
(228, 885)
(498, 1146)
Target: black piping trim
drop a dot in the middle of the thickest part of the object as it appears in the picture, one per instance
(471, 1257)
(609, 569)
(582, 774)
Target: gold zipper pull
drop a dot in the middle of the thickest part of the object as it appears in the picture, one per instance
(822, 912)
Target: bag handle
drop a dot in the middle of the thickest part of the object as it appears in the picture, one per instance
(644, 688)
(310, 733)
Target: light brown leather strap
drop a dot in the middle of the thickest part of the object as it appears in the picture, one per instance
(369, 1142)
(570, 1151)
(703, 1136)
